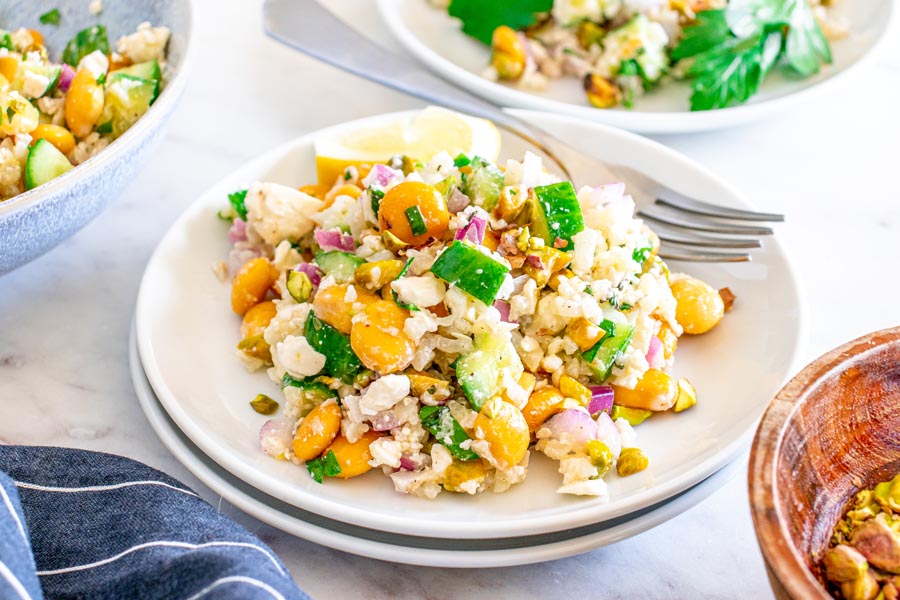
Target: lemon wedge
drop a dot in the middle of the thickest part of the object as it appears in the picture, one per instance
(422, 137)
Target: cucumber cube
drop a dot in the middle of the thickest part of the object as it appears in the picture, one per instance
(556, 216)
(44, 163)
(472, 271)
(127, 99)
(479, 372)
(340, 265)
(603, 355)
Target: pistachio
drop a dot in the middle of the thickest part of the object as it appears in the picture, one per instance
(256, 347)
(508, 57)
(264, 405)
(601, 456)
(875, 540)
(631, 461)
(687, 396)
(861, 588)
(844, 563)
(601, 92)
(299, 286)
(887, 494)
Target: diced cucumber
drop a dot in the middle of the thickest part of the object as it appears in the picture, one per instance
(604, 354)
(86, 41)
(340, 360)
(146, 70)
(634, 416)
(127, 99)
(50, 72)
(479, 372)
(44, 163)
(446, 430)
(484, 183)
(338, 264)
(472, 271)
(556, 216)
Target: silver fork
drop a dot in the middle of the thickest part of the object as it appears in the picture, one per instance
(691, 230)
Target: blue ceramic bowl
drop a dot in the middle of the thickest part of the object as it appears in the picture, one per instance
(34, 222)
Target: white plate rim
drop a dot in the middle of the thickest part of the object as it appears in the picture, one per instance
(642, 122)
(400, 524)
(397, 552)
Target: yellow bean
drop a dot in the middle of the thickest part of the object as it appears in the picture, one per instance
(60, 137)
(317, 430)
(333, 306)
(251, 284)
(461, 472)
(378, 338)
(377, 274)
(571, 388)
(504, 428)
(699, 306)
(84, 103)
(669, 340)
(655, 391)
(425, 202)
(584, 333)
(353, 458)
(9, 66)
(258, 318)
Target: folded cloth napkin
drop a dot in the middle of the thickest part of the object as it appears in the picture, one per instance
(78, 524)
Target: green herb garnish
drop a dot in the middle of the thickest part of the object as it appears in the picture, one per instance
(325, 466)
(446, 430)
(236, 199)
(415, 220)
(376, 196)
(480, 18)
(86, 41)
(640, 255)
(51, 17)
(733, 49)
(461, 161)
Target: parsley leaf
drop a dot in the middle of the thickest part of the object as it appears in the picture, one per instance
(236, 199)
(325, 466)
(51, 17)
(733, 49)
(480, 18)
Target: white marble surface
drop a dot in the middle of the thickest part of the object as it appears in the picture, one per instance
(64, 319)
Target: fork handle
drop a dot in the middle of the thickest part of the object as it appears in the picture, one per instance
(312, 29)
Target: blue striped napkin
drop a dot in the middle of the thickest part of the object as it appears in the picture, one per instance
(78, 524)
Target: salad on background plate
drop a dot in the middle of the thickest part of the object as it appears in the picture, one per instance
(57, 113)
(435, 315)
(623, 49)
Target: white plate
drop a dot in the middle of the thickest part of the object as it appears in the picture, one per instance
(431, 552)
(435, 38)
(187, 334)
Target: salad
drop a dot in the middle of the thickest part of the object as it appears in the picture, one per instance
(863, 562)
(438, 321)
(56, 114)
(621, 49)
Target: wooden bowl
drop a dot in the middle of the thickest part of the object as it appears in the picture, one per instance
(832, 430)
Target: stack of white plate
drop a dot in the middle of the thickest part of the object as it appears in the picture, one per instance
(195, 393)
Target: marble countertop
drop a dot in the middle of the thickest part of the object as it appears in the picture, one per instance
(64, 319)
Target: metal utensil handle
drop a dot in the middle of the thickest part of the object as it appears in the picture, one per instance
(315, 31)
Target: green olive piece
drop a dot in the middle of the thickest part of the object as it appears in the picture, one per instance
(264, 405)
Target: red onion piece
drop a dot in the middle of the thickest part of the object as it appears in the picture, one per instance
(312, 271)
(457, 201)
(65, 78)
(503, 307)
(385, 421)
(275, 436)
(240, 254)
(608, 433)
(601, 399)
(474, 231)
(407, 464)
(576, 424)
(334, 240)
(655, 356)
(380, 175)
(533, 260)
(238, 231)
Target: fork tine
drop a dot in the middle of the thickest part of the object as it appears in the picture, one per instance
(669, 253)
(698, 207)
(704, 241)
(673, 218)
